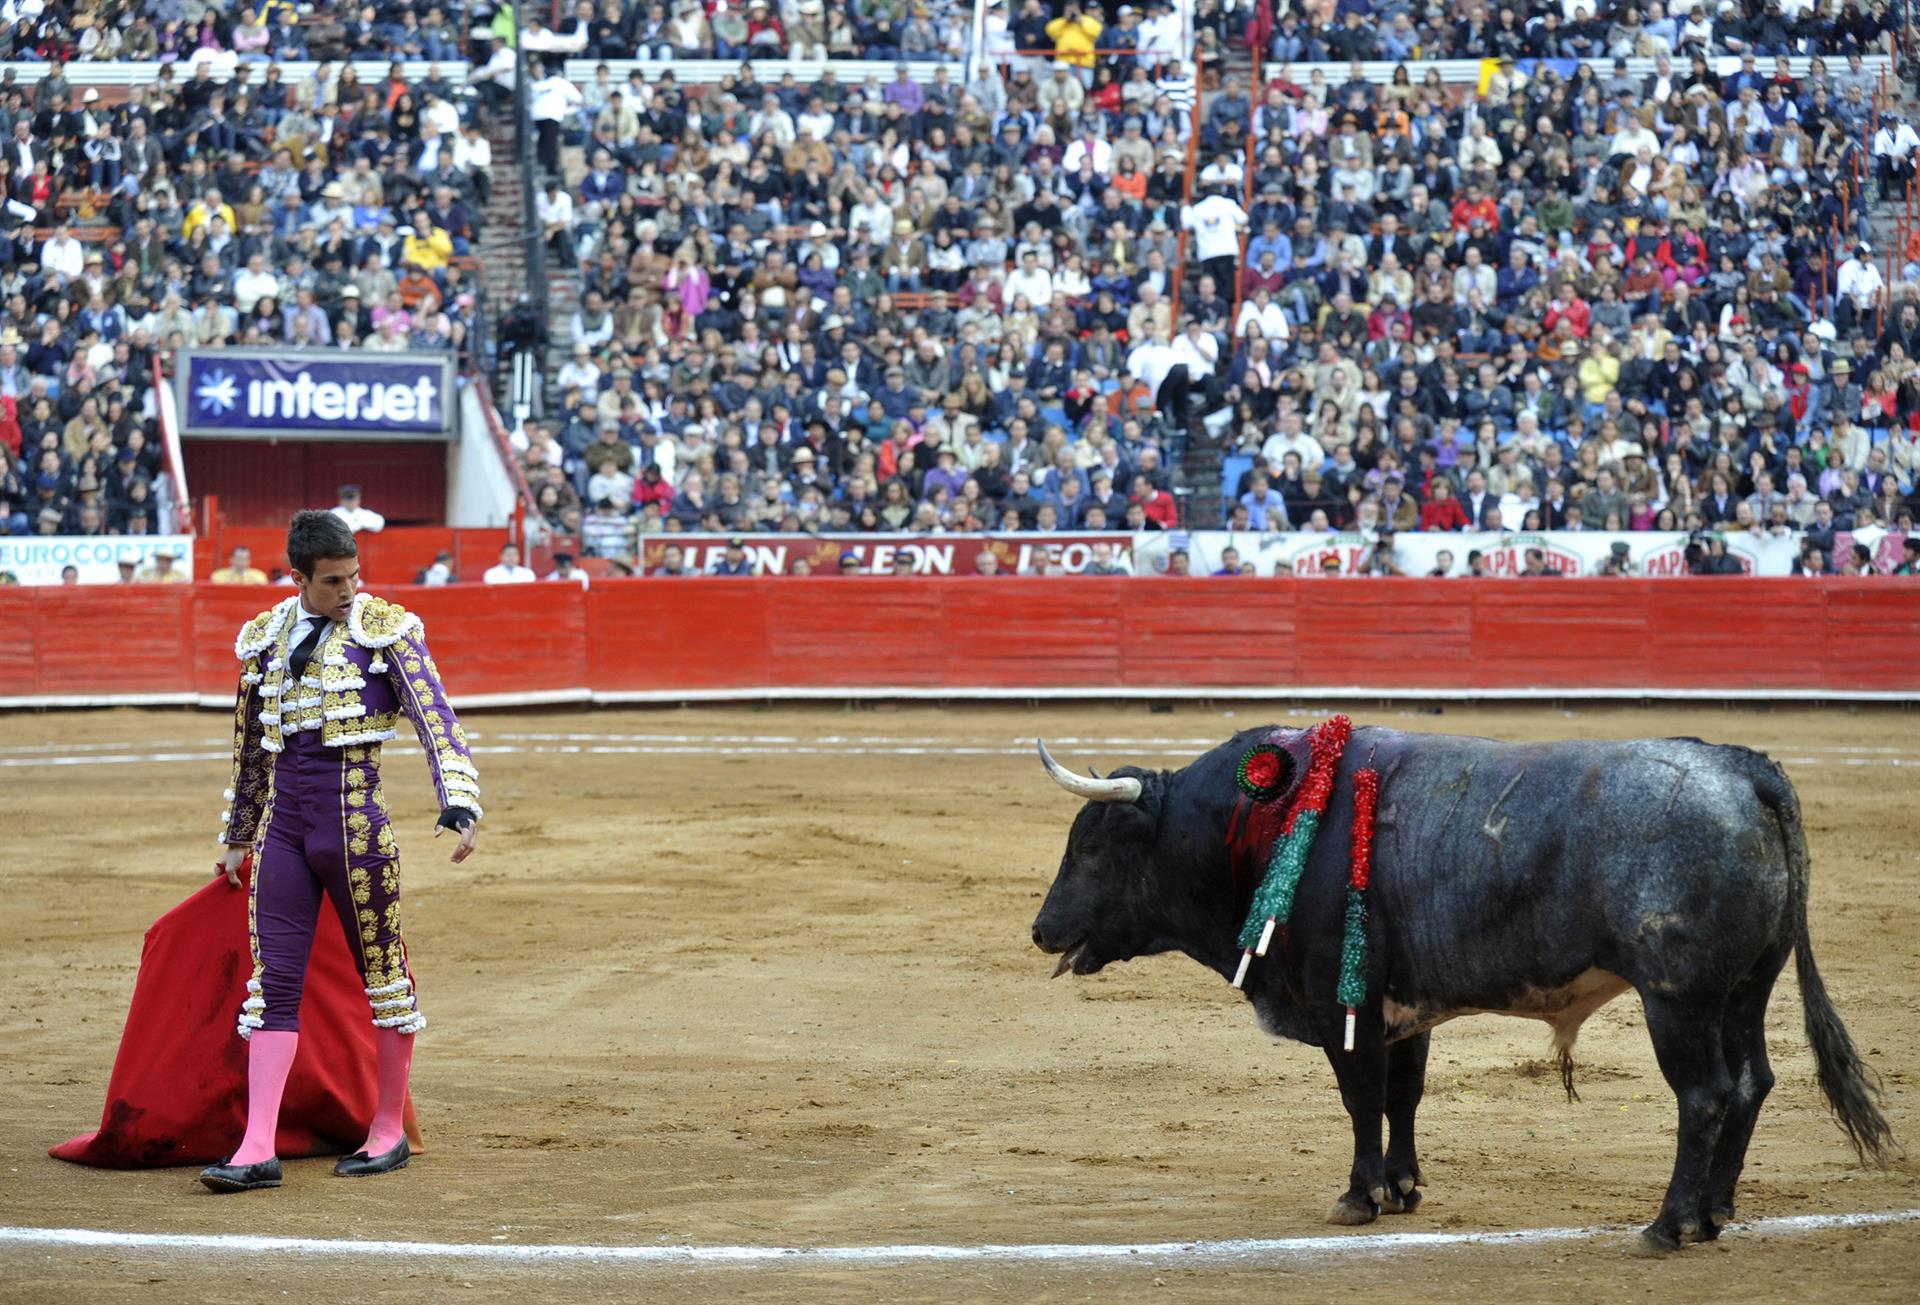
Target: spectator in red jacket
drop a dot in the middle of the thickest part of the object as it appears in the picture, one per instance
(1475, 204)
(652, 488)
(1443, 510)
(1158, 507)
(1568, 305)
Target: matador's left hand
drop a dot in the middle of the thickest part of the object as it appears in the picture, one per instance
(469, 835)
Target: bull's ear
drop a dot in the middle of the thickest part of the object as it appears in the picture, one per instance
(1141, 817)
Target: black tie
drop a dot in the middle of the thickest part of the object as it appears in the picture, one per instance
(304, 652)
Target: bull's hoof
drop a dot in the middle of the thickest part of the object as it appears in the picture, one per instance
(1350, 1211)
(1652, 1243)
(1402, 1202)
(1717, 1219)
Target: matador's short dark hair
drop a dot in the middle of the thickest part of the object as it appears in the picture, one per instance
(312, 536)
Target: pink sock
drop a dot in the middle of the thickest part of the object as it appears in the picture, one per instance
(269, 1060)
(394, 1061)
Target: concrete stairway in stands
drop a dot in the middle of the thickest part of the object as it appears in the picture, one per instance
(1196, 474)
(503, 260)
(503, 256)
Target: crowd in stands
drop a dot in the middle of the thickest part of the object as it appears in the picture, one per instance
(1294, 32)
(874, 302)
(1587, 302)
(221, 202)
(1571, 298)
(1568, 297)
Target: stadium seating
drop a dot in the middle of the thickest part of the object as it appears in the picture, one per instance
(817, 271)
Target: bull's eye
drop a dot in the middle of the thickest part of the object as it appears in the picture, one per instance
(1264, 771)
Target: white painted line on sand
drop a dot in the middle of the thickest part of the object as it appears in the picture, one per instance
(115, 758)
(1251, 1251)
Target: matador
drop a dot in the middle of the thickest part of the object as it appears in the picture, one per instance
(325, 678)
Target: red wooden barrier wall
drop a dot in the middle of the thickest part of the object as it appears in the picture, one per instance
(1080, 635)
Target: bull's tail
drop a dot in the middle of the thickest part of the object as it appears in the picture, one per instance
(1852, 1088)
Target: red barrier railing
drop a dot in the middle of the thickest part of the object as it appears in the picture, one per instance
(973, 636)
(502, 442)
(170, 442)
(1824, 290)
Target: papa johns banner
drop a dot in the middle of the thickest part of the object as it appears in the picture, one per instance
(321, 394)
(39, 559)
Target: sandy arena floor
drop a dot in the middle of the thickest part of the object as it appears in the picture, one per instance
(763, 977)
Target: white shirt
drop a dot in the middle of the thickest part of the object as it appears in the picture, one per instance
(876, 218)
(1272, 320)
(473, 153)
(361, 519)
(250, 287)
(585, 375)
(501, 67)
(1101, 151)
(666, 456)
(444, 116)
(1150, 362)
(1036, 285)
(553, 98)
(1860, 281)
(502, 574)
(303, 623)
(1898, 142)
(578, 575)
(546, 40)
(1160, 36)
(431, 149)
(1279, 444)
(556, 210)
(1217, 222)
(63, 256)
(1200, 355)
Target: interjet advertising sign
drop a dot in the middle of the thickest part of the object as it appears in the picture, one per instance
(316, 394)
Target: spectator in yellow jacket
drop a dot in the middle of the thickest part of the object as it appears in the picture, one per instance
(1599, 371)
(1075, 36)
(205, 209)
(431, 249)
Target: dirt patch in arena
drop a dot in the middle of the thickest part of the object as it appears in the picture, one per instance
(762, 977)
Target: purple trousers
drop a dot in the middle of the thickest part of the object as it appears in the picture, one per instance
(324, 831)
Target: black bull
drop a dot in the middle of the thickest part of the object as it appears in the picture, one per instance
(1528, 879)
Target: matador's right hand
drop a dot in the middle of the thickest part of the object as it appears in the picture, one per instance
(235, 858)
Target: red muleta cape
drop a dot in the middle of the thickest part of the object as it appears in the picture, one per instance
(178, 1093)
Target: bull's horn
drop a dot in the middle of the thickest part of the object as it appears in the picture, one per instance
(1123, 789)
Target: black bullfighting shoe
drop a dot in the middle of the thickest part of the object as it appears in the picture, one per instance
(360, 1164)
(242, 1178)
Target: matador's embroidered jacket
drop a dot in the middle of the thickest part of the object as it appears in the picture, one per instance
(364, 676)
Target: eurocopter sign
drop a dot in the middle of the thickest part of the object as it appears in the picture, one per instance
(316, 394)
